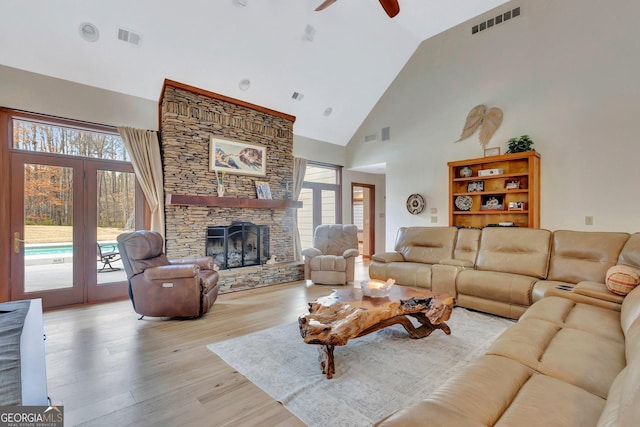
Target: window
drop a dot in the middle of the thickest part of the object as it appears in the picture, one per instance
(321, 196)
(44, 137)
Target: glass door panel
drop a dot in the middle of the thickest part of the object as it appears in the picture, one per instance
(115, 215)
(305, 218)
(46, 227)
(328, 206)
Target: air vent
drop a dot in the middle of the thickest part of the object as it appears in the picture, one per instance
(499, 19)
(129, 36)
(371, 137)
(297, 96)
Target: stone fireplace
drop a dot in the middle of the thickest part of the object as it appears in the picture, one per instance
(240, 244)
(188, 118)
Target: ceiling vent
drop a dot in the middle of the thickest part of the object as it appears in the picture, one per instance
(129, 36)
(498, 19)
(297, 96)
(371, 137)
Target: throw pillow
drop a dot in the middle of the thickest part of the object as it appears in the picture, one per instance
(621, 279)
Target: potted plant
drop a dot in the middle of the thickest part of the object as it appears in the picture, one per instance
(520, 145)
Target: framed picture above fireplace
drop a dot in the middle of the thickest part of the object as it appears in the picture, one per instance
(237, 157)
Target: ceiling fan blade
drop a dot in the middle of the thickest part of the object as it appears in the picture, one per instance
(325, 4)
(391, 7)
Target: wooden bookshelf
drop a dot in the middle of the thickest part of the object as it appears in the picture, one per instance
(490, 196)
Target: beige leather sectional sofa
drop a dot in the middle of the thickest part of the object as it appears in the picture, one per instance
(503, 270)
(573, 357)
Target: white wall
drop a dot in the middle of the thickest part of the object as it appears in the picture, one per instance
(565, 72)
(22, 90)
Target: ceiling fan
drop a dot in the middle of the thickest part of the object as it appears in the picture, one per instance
(390, 6)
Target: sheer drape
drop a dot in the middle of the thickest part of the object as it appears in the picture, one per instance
(144, 150)
(299, 169)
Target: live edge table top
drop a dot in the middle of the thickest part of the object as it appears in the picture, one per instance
(348, 313)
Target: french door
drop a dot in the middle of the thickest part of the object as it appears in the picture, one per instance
(57, 205)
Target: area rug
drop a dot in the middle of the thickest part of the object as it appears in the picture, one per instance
(375, 375)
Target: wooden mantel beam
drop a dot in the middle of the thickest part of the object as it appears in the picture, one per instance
(230, 202)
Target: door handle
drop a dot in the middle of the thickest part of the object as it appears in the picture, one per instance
(16, 242)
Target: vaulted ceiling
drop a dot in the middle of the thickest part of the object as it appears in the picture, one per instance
(341, 59)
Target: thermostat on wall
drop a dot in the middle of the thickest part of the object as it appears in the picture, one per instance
(489, 172)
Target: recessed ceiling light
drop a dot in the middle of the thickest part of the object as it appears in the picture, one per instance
(89, 32)
(328, 111)
(244, 84)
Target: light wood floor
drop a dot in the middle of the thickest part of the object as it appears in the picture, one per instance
(110, 369)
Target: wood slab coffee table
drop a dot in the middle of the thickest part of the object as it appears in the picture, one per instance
(347, 313)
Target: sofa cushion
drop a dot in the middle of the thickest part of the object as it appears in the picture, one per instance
(467, 242)
(427, 245)
(515, 250)
(584, 255)
(482, 391)
(505, 287)
(571, 355)
(621, 279)
(410, 274)
(543, 401)
(565, 312)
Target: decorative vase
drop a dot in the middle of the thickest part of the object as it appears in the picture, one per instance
(220, 190)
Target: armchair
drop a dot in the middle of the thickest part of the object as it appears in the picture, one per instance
(331, 260)
(159, 287)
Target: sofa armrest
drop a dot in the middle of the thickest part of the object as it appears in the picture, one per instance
(443, 279)
(311, 252)
(388, 257)
(350, 253)
(597, 290)
(205, 262)
(457, 263)
(175, 271)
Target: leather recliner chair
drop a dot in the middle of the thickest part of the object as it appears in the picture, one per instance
(331, 261)
(159, 287)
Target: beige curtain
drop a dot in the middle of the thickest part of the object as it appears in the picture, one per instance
(299, 169)
(144, 149)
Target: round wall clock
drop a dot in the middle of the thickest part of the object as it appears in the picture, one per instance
(415, 204)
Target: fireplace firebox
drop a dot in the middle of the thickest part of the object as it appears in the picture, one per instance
(240, 244)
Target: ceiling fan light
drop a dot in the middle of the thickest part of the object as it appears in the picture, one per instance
(89, 32)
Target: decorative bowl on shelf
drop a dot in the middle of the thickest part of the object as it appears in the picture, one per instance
(376, 288)
(464, 203)
(466, 172)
